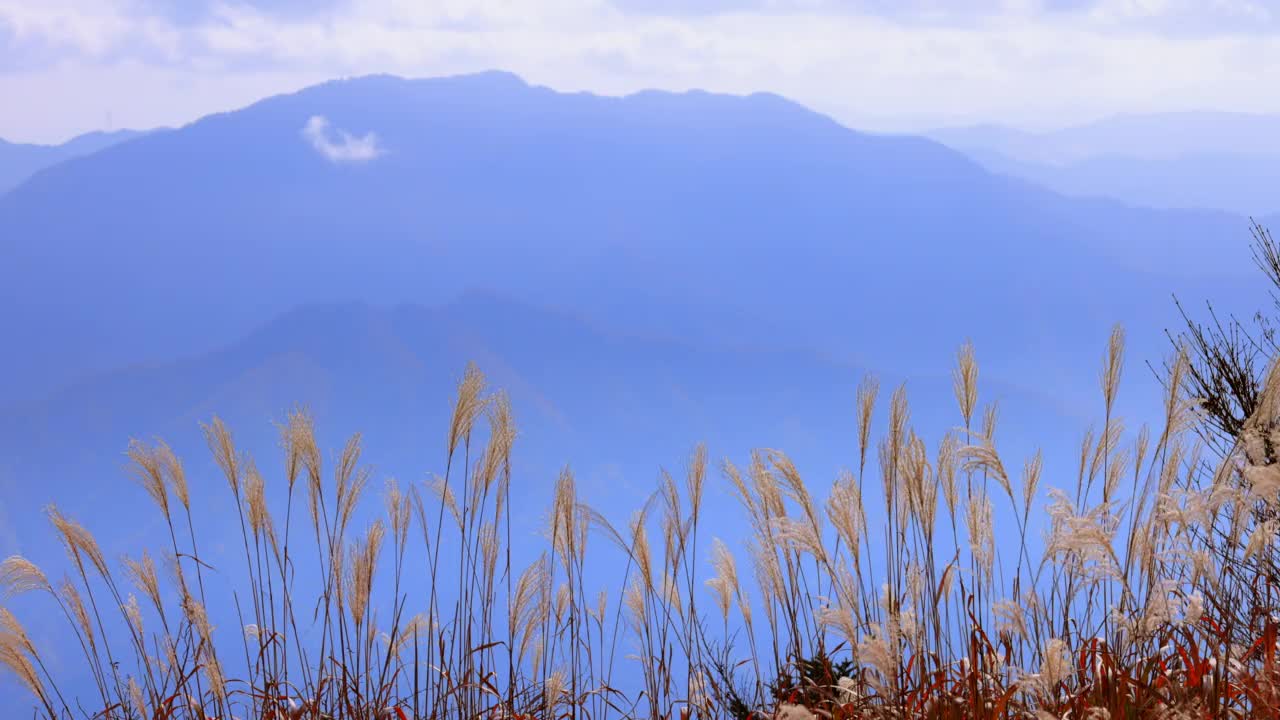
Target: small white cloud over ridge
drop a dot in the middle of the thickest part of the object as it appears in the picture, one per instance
(340, 146)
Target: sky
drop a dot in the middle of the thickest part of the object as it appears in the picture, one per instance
(71, 66)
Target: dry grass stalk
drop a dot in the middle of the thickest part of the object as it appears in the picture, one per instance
(929, 629)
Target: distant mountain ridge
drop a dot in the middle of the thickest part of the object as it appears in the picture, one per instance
(739, 220)
(581, 393)
(1147, 136)
(19, 161)
(1223, 161)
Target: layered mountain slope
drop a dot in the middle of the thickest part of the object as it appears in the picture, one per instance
(739, 220)
(1223, 161)
(19, 161)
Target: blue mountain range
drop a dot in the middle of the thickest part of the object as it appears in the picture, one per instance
(640, 272)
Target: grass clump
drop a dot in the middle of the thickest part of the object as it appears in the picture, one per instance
(1152, 596)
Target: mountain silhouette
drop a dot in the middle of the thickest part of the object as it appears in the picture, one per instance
(1137, 135)
(741, 220)
(1222, 161)
(19, 161)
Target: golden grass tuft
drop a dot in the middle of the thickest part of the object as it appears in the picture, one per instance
(19, 575)
(1150, 595)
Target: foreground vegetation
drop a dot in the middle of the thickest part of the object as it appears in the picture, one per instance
(1153, 596)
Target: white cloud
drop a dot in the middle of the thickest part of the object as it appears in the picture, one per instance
(340, 146)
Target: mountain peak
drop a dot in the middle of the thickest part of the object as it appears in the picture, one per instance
(481, 81)
(617, 209)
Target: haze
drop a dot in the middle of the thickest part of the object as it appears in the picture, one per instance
(656, 227)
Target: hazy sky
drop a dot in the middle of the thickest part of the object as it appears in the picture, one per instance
(67, 66)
